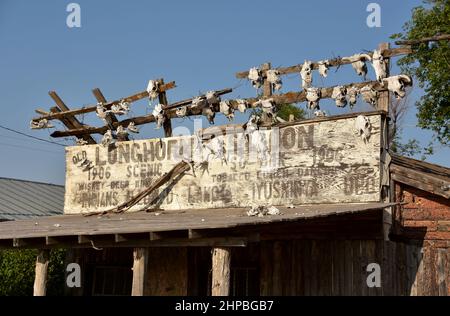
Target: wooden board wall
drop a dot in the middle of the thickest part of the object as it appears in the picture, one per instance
(322, 267)
(317, 162)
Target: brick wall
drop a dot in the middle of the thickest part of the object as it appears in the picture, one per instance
(423, 216)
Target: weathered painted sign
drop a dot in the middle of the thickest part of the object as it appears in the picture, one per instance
(310, 162)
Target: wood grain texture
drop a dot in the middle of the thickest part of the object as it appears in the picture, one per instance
(221, 261)
(41, 273)
(140, 259)
(323, 161)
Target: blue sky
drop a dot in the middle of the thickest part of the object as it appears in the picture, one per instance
(199, 44)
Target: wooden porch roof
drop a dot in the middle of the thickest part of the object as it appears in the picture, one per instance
(160, 228)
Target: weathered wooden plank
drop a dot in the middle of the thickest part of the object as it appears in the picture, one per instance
(358, 269)
(424, 182)
(314, 163)
(335, 62)
(167, 272)
(314, 269)
(277, 268)
(41, 273)
(444, 37)
(441, 271)
(140, 262)
(265, 268)
(221, 262)
(72, 120)
(140, 120)
(108, 105)
(348, 268)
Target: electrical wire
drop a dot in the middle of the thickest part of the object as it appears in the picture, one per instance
(30, 136)
(29, 148)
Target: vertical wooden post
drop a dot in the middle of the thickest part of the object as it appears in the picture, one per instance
(221, 259)
(267, 85)
(40, 280)
(167, 125)
(383, 99)
(266, 120)
(101, 98)
(140, 259)
(384, 104)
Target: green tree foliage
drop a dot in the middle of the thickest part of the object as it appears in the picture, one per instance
(287, 109)
(17, 272)
(430, 65)
(284, 110)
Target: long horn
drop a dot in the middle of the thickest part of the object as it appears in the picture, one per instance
(405, 78)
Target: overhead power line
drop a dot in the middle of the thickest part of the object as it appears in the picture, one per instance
(30, 136)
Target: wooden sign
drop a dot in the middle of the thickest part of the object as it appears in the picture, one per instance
(317, 161)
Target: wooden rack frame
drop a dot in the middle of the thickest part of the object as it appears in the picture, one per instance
(82, 131)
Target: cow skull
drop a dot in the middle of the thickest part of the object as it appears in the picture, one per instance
(359, 63)
(252, 124)
(313, 96)
(43, 123)
(81, 142)
(181, 111)
(397, 84)
(159, 115)
(324, 65)
(363, 127)
(198, 102)
(107, 139)
(267, 106)
(306, 74)
(370, 95)
(121, 108)
(227, 110)
(132, 128)
(320, 113)
(153, 89)
(352, 95)
(339, 95)
(379, 64)
(254, 75)
(242, 105)
(209, 113)
(121, 133)
(212, 98)
(274, 79)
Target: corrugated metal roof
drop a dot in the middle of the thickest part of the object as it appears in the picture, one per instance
(21, 199)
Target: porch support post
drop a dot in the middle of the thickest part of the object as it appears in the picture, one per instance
(221, 259)
(140, 259)
(41, 276)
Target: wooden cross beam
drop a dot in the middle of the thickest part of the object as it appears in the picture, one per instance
(108, 105)
(69, 121)
(336, 62)
(289, 97)
(101, 98)
(140, 120)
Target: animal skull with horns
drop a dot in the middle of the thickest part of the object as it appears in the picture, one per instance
(359, 63)
(370, 95)
(306, 74)
(397, 84)
(323, 67)
(379, 64)
(339, 95)
(313, 96)
(160, 117)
